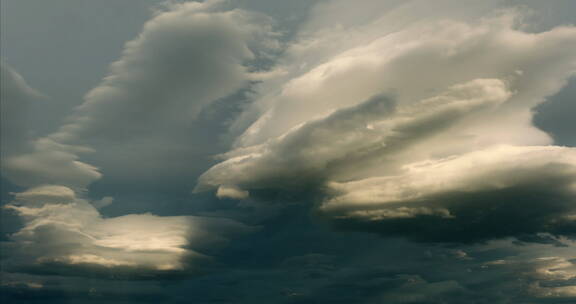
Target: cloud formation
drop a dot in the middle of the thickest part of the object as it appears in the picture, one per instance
(431, 121)
(186, 57)
(141, 118)
(387, 153)
(467, 198)
(65, 234)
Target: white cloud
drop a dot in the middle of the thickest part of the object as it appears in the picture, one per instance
(62, 229)
(420, 60)
(231, 192)
(140, 118)
(384, 113)
(355, 136)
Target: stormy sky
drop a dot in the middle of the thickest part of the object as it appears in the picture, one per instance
(304, 151)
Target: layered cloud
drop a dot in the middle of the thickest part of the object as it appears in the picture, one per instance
(188, 56)
(185, 58)
(144, 116)
(467, 198)
(423, 130)
(394, 118)
(27, 161)
(494, 273)
(326, 147)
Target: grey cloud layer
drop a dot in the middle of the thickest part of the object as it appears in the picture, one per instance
(187, 56)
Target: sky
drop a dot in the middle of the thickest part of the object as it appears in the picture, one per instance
(306, 151)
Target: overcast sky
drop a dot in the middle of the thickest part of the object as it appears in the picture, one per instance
(252, 151)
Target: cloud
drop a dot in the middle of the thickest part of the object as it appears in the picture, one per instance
(31, 162)
(416, 62)
(184, 58)
(16, 99)
(51, 162)
(423, 130)
(500, 192)
(396, 118)
(322, 148)
(144, 115)
(373, 270)
(64, 234)
(187, 56)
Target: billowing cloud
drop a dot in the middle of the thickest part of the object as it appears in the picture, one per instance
(423, 130)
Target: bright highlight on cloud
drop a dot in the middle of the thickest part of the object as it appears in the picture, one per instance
(417, 130)
(62, 230)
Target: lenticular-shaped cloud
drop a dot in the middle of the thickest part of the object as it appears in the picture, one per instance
(66, 232)
(357, 136)
(423, 130)
(418, 61)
